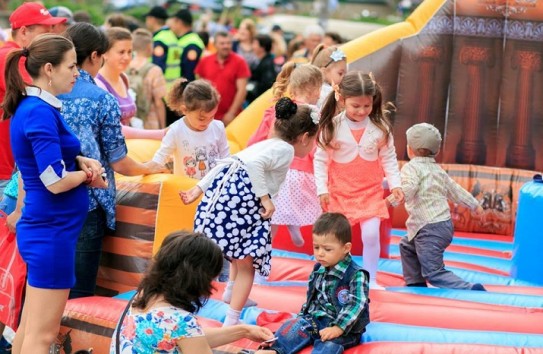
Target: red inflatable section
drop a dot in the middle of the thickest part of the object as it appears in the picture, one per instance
(282, 239)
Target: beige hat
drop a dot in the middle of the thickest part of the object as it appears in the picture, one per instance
(424, 136)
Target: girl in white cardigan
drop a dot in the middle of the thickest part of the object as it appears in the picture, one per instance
(355, 148)
(236, 208)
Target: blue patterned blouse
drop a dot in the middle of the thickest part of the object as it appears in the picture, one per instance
(94, 116)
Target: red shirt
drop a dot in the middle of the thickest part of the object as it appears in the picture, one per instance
(223, 77)
(7, 163)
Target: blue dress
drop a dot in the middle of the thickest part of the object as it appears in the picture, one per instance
(45, 149)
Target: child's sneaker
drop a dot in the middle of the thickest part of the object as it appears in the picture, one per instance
(478, 287)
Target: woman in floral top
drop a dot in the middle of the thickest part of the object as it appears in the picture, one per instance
(161, 318)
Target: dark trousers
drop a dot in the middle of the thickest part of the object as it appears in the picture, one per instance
(422, 257)
(88, 252)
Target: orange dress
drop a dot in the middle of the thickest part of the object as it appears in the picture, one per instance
(356, 187)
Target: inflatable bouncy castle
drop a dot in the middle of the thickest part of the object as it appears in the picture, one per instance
(473, 68)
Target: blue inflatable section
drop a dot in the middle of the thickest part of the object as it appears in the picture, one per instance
(501, 264)
(389, 332)
(527, 260)
(476, 296)
(492, 245)
(394, 266)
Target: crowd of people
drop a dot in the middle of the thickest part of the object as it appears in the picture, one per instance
(73, 92)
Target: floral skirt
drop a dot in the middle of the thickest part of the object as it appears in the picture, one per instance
(229, 214)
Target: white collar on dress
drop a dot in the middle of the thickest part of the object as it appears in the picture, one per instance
(44, 96)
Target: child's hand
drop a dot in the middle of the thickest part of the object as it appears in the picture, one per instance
(257, 333)
(479, 211)
(325, 200)
(154, 167)
(269, 208)
(330, 333)
(398, 195)
(191, 195)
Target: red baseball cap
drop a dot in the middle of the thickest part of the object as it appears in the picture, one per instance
(32, 13)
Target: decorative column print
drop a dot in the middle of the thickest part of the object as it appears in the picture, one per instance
(471, 148)
(428, 59)
(520, 153)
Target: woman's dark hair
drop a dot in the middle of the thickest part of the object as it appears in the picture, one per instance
(197, 94)
(336, 37)
(293, 120)
(355, 84)
(333, 224)
(46, 48)
(264, 41)
(204, 36)
(87, 39)
(182, 272)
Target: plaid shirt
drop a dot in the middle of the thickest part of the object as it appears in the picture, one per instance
(325, 282)
(427, 187)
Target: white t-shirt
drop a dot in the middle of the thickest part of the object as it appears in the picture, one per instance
(194, 153)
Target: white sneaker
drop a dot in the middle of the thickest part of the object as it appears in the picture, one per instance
(375, 286)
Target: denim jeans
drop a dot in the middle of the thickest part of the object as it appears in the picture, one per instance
(88, 252)
(298, 333)
(8, 204)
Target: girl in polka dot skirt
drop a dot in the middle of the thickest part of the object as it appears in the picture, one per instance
(297, 202)
(236, 208)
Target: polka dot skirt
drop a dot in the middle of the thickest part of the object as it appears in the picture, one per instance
(233, 221)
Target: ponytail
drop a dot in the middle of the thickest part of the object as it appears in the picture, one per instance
(198, 94)
(280, 85)
(319, 48)
(327, 125)
(15, 86)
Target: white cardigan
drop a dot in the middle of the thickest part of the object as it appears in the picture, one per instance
(372, 146)
(266, 163)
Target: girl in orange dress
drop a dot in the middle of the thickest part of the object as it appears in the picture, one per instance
(356, 150)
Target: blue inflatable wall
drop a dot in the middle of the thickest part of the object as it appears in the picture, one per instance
(527, 260)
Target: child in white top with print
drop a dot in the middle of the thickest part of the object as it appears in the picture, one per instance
(297, 202)
(355, 148)
(196, 140)
(237, 205)
(332, 62)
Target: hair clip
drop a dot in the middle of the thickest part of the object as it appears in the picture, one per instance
(337, 95)
(25, 52)
(337, 55)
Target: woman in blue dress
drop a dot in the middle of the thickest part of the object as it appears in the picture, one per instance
(54, 178)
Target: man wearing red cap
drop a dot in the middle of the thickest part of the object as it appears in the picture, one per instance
(27, 21)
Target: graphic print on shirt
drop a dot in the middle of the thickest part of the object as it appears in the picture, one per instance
(213, 156)
(201, 158)
(190, 166)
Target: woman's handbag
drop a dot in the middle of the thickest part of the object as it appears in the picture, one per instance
(12, 277)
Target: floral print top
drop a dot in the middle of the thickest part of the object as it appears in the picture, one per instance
(156, 331)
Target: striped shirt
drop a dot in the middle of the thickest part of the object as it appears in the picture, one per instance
(325, 282)
(427, 188)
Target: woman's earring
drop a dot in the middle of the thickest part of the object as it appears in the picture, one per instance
(49, 82)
